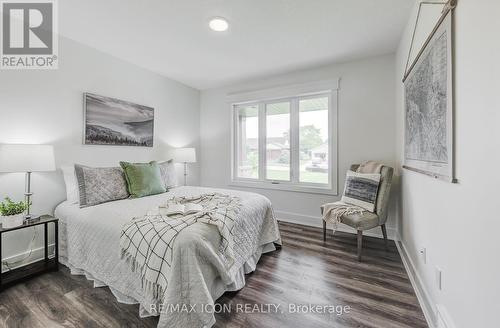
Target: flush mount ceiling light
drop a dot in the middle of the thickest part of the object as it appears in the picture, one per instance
(218, 24)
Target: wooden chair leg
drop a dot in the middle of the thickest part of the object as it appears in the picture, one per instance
(324, 230)
(360, 243)
(384, 232)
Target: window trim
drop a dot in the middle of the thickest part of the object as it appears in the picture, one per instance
(293, 94)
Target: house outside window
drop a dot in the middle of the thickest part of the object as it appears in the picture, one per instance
(287, 143)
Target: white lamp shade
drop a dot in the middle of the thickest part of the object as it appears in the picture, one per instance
(185, 155)
(27, 158)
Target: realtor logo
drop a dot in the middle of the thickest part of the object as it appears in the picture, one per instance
(29, 34)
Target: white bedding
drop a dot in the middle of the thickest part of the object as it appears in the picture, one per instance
(89, 244)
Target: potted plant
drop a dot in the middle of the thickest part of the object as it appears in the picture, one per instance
(11, 213)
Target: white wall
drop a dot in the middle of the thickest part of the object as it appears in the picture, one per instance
(366, 129)
(458, 223)
(46, 107)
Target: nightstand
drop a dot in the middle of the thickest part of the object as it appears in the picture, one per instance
(23, 273)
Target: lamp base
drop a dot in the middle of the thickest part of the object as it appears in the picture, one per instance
(185, 174)
(28, 194)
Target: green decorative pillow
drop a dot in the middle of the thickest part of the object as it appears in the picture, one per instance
(143, 179)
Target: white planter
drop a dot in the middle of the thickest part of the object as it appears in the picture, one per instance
(11, 221)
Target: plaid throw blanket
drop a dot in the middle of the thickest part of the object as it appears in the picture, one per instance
(147, 242)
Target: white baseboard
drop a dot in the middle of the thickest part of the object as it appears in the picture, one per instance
(36, 255)
(423, 296)
(317, 221)
(443, 318)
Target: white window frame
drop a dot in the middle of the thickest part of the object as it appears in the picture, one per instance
(293, 94)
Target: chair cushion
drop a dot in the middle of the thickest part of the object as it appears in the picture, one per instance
(364, 221)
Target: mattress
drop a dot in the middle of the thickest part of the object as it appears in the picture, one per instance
(89, 245)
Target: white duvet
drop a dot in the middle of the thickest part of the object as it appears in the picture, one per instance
(89, 244)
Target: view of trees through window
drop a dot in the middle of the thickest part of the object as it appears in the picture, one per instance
(310, 130)
(248, 142)
(313, 140)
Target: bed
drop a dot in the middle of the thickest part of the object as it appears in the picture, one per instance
(89, 245)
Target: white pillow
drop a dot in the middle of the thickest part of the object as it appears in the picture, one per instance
(361, 189)
(168, 174)
(71, 183)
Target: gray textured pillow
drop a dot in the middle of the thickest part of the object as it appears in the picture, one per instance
(361, 189)
(98, 185)
(168, 175)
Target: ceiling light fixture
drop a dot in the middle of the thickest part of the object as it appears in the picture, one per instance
(218, 24)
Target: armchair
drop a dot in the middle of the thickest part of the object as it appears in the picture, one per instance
(369, 220)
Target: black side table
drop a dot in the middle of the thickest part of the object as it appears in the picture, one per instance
(23, 273)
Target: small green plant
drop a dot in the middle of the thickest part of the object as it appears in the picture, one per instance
(11, 208)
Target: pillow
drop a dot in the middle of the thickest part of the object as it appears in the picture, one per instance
(168, 174)
(361, 189)
(98, 185)
(143, 179)
(71, 183)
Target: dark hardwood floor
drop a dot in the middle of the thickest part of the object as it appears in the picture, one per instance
(306, 270)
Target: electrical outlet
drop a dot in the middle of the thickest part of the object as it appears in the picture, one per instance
(423, 254)
(439, 278)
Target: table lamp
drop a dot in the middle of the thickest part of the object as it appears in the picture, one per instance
(185, 155)
(27, 158)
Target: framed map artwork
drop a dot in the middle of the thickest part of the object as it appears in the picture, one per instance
(429, 107)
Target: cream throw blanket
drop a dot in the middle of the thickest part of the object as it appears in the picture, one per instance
(333, 212)
(147, 242)
(370, 167)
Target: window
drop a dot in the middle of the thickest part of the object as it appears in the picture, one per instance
(313, 140)
(278, 141)
(248, 141)
(286, 143)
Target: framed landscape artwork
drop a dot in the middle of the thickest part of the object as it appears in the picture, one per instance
(429, 107)
(110, 121)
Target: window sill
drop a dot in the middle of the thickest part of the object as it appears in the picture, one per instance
(284, 187)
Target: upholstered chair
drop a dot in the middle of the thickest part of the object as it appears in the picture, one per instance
(369, 220)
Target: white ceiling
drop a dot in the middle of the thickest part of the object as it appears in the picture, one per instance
(265, 37)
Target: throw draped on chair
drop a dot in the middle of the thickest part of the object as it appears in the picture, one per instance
(368, 220)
